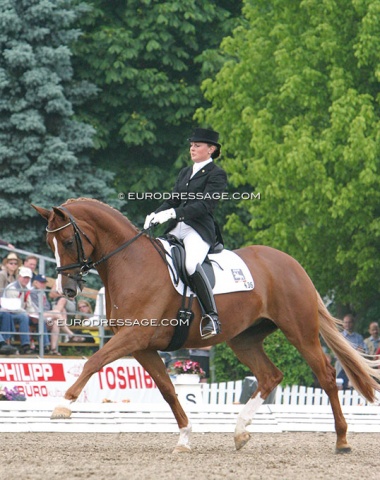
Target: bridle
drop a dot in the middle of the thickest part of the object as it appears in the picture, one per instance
(85, 264)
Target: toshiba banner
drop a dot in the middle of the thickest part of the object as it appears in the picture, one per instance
(38, 379)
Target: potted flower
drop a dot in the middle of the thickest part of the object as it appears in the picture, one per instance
(186, 371)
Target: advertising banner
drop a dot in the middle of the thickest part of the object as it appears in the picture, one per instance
(124, 380)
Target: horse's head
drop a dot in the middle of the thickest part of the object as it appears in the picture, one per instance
(72, 248)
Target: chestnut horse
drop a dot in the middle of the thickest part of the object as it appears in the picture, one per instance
(138, 286)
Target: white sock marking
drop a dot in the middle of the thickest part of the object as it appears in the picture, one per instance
(246, 415)
(184, 436)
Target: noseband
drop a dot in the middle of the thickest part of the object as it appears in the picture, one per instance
(84, 264)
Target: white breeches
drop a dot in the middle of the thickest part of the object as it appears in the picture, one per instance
(196, 248)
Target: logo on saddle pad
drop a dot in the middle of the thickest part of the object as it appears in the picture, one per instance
(238, 275)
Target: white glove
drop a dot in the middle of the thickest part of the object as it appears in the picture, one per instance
(160, 217)
(148, 220)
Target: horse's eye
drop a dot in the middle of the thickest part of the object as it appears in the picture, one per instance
(68, 243)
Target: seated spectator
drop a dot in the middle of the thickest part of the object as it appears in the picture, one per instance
(66, 307)
(85, 309)
(61, 303)
(54, 319)
(19, 312)
(31, 261)
(5, 348)
(8, 274)
(373, 341)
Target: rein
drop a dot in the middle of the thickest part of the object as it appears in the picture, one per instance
(86, 265)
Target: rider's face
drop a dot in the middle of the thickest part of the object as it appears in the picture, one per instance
(200, 152)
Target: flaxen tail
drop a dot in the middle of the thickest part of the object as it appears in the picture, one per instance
(361, 371)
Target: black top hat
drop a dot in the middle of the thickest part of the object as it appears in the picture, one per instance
(204, 135)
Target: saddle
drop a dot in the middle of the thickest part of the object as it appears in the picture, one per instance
(178, 253)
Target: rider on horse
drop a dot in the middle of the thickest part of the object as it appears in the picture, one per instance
(190, 211)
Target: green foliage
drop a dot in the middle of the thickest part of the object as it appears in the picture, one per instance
(148, 59)
(295, 369)
(279, 350)
(297, 105)
(227, 366)
(43, 146)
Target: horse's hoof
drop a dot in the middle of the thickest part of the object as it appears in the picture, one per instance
(241, 440)
(346, 449)
(60, 413)
(182, 449)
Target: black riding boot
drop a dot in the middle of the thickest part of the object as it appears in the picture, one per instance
(210, 325)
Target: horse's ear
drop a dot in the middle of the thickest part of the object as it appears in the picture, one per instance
(44, 212)
(59, 213)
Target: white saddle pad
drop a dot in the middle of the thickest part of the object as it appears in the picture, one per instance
(231, 273)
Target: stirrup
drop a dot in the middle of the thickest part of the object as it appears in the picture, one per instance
(209, 326)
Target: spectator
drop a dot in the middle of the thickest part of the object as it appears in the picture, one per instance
(61, 303)
(88, 336)
(31, 261)
(351, 336)
(8, 275)
(373, 341)
(5, 348)
(54, 319)
(85, 309)
(356, 341)
(68, 307)
(377, 353)
(18, 314)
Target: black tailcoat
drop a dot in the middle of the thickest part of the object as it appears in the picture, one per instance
(195, 199)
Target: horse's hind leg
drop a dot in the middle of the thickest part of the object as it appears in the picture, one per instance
(308, 344)
(327, 379)
(249, 349)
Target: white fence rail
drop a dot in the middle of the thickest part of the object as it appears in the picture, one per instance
(229, 393)
(222, 393)
(295, 409)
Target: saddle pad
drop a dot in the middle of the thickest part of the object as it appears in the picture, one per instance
(231, 273)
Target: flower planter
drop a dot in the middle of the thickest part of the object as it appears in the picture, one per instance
(187, 379)
(188, 389)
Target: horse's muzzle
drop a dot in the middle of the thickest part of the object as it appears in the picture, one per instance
(69, 287)
(70, 292)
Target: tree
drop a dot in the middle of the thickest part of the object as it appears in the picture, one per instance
(43, 147)
(297, 104)
(148, 59)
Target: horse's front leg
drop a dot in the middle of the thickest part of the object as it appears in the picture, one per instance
(117, 347)
(154, 365)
